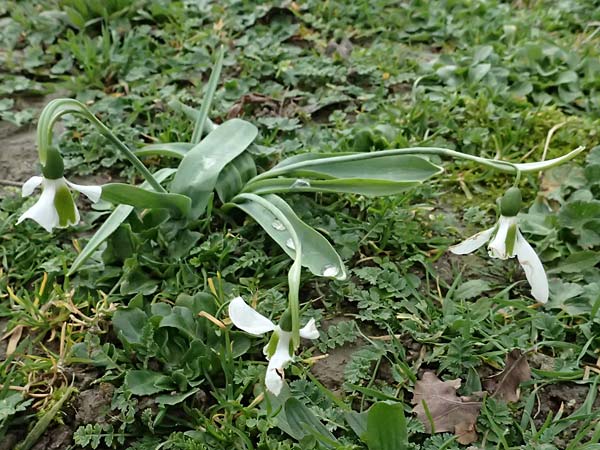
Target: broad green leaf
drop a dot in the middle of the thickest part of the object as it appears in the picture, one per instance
(583, 217)
(471, 289)
(386, 427)
(117, 217)
(128, 323)
(181, 318)
(303, 422)
(174, 398)
(147, 382)
(199, 170)
(318, 255)
(141, 198)
(578, 262)
(476, 73)
(171, 149)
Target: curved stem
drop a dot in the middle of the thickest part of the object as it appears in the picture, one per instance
(504, 166)
(517, 179)
(294, 273)
(61, 106)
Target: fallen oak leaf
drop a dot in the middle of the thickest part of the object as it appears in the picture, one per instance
(505, 385)
(440, 410)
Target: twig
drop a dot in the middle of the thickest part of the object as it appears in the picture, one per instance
(10, 183)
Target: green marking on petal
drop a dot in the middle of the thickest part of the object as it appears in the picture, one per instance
(272, 345)
(65, 206)
(511, 239)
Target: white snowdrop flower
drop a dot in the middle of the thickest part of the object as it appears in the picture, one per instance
(279, 351)
(506, 241)
(55, 207)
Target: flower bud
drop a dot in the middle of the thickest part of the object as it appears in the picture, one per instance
(54, 168)
(510, 203)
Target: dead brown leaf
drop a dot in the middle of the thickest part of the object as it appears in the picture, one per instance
(505, 385)
(15, 336)
(448, 411)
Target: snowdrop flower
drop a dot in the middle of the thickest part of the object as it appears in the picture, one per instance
(506, 241)
(279, 351)
(55, 207)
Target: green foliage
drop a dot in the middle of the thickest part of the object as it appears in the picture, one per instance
(487, 78)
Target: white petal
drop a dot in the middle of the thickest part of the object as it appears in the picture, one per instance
(282, 355)
(43, 212)
(534, 270)
(497, 246)
(309, 331)
(273, 380)
(473, 243)
(91, 192)
(247, 319)
(30, 185)
(280, 359)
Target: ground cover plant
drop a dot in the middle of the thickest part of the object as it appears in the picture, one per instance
(133, 327)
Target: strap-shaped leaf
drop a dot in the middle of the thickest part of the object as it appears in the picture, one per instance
(377, 173)
(199, 170)
(318, 255)
(141, 198)
(171, 149)
(234, 176)
(117, 217)
(303, 422)
(368, 187)
(229, 182)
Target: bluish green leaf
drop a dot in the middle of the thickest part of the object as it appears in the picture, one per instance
(199, 170)
(368, 187)
(141, 198)
(171, 149)
(317, 253)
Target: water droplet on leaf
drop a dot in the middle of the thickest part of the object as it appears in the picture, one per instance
(300, 183)
(290, 244)
(278, 225)
(330, 271)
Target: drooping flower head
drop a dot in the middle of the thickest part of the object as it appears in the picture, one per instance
(506, 241)
(55, 207)
(279, 351)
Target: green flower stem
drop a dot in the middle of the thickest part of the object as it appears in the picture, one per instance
(61, 106)
(503, 166)
(294, 273)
